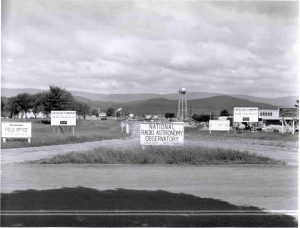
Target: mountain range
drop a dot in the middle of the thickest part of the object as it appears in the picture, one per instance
(204, 106)
(95, 98)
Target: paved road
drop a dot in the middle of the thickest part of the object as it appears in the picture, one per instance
(287, 153)
(272, 188)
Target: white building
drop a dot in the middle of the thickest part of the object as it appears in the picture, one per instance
(268, 114)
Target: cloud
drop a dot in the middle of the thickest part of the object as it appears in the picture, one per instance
(150, 46)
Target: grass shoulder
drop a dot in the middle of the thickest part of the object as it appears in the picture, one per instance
(85, 131)
(195, 133)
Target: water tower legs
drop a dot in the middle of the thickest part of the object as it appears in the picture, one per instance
(182, 112)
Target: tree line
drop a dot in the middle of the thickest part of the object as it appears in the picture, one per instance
(206, 118)
(200, 117)
(56, 99)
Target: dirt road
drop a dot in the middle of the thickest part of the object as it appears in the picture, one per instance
(286, 153)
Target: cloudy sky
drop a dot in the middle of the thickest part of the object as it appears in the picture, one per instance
(151, 46)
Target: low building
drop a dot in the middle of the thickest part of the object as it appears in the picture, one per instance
(269, 116)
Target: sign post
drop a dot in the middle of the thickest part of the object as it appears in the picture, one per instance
(289, 117)
(16, 130)
(162, 133)
(219, 125)
(63, 118)
(245, 114)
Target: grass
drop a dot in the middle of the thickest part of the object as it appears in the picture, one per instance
(160, 155)
(194, 133)
(257, 138)
(85, 131)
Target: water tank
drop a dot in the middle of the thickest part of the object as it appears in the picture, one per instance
(182, 90)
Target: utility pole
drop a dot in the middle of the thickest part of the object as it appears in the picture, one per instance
(190, 114)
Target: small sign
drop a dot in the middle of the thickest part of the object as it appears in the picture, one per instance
(63, 118)
(162, 133)
(245, 114)
(219, 125)
(16, 129)
(288, 112)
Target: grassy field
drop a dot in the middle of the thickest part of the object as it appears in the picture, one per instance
(86, 130)
(194, 133)
(161, 155)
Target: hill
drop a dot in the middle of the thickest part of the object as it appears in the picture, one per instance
(5, 92)
(204, 106)
(288, 101)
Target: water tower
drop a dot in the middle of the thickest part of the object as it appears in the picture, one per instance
(182, 112)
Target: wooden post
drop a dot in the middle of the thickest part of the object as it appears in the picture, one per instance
(60, 128)
(127, 128)
(293, 125)
(4, 140)
(282, 126)
(73, 130)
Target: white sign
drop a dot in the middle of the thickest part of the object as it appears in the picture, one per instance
(16, 130)
(219, 125)
(267, 114)
(245, 114)
(288, 113)
(162, 133)
(63, 118)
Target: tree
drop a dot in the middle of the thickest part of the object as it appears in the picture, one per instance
(170, 115)
(12, 107)
(82, 109)
(201, 118)
(38, 103)
(95, 113)
(110, 111)
(3, 103)
(3, 106)
(224, 112)
(58, 99)
(24, 102)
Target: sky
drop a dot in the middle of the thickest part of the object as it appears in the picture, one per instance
(145, 46)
